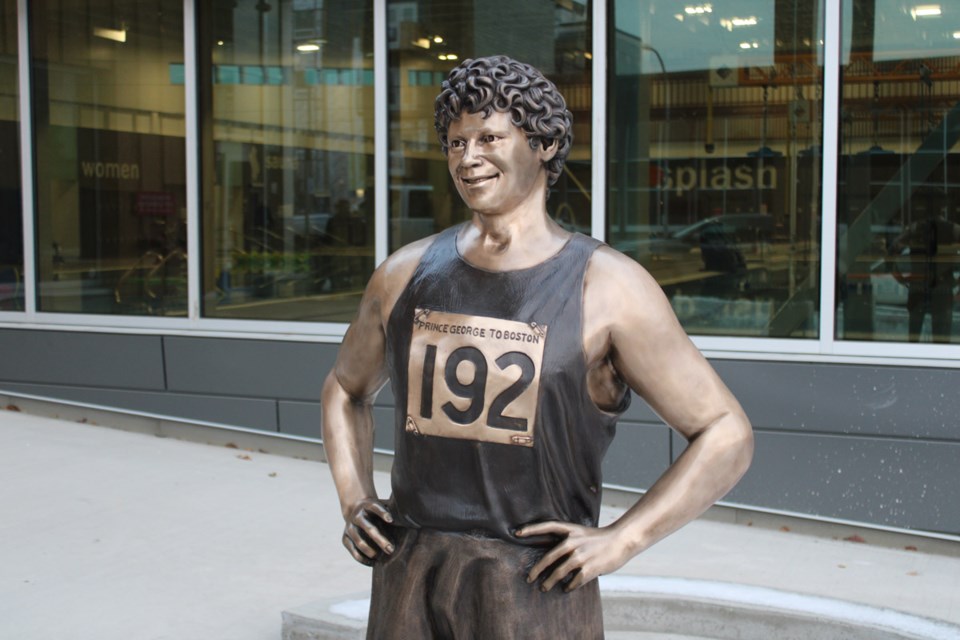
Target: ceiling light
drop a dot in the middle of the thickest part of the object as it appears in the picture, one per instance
(451, 56)
(956, 35)
(925, 11)
(442, 56)
(699, 9)
(219, 43)
(745, 45)
(308, 47)
(438, 39)
(117, 35)
(588, 55)
(730, 23)
(423, 43)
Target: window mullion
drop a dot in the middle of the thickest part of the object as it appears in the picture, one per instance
(828, 204)
(598, 113)
(26, 163)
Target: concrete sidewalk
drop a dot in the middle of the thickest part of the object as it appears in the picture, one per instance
(112, 535)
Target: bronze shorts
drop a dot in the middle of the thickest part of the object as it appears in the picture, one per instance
(458, 586)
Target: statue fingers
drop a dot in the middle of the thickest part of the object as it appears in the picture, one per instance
(380, 510)
(570, 567)
(550, 558)
(354, 550)
(371, 533)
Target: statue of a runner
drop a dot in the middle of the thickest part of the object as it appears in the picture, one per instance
(512, 346)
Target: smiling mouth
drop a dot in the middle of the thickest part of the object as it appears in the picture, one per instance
(472, 182)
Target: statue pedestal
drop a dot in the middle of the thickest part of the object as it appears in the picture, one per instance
(341, 618)
(653, 608)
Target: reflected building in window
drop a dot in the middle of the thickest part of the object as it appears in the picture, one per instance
(714, 161)
(898, 210)
(286, 90)
(109, 157)
(11, 217)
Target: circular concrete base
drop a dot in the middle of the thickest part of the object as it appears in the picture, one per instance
(720, 610)
(679, 609)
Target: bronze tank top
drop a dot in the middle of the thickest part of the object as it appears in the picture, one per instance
(495, 427)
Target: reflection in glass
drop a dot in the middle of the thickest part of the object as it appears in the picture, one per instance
(714, 158)
(898, 215)
(287, 95)
(109, 122)
(426, 39)
(11, 218)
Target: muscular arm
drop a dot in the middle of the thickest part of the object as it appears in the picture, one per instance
(630, 326)
(348, 393)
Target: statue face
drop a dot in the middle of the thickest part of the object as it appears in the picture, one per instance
(492, 164)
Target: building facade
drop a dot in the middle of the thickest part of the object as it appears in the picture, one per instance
(193, 194)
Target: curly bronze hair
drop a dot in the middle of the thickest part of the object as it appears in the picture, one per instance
(499, 83)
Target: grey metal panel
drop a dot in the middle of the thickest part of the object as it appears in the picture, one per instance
(300, 418)
(898, 401)
(251, 413)
(282, 370)
(897, 483)
(383, 435)
(74, 358)
(638, 455)
(640, 411)
(385, 397)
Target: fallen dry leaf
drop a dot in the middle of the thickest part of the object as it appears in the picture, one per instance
(910, 547)
(244, 456)
(854, 538)
(784, 528)
(230, 445)
(12, 407)
(913, 573)
(842, 566)
(272, 474)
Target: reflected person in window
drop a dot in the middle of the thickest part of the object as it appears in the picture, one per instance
(512, 347)
(925, 258)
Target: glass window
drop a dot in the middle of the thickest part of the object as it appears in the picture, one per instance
(110, 170)
(898, 214)
(287, 98)
(11, 217)
(714, 158)
(427, 38)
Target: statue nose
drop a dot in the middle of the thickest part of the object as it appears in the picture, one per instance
(470, 155)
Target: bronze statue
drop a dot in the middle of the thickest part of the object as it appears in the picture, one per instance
(511, 346)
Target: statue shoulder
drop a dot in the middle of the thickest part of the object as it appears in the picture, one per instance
(617, 290)
(613, 273)
(391, 277)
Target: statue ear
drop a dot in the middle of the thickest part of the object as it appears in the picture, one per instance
(547, 149)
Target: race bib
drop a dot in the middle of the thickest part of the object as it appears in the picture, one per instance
(474, 377)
